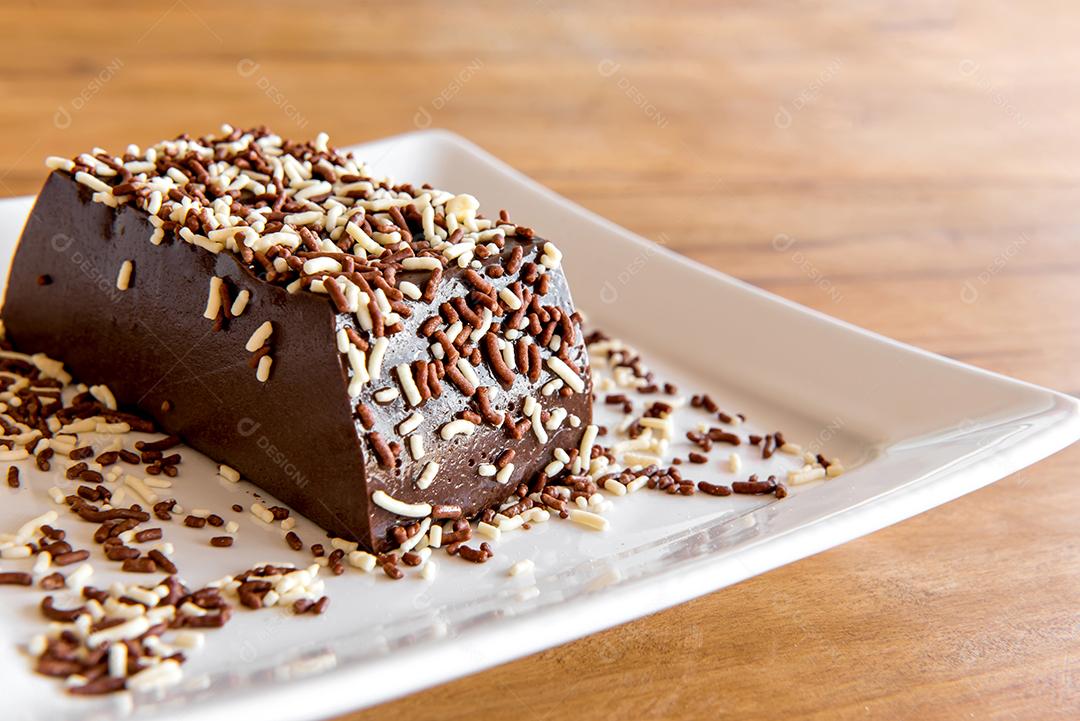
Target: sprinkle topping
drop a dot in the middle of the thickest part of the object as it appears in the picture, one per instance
(123, 278)
(292, 211)
(413, 510)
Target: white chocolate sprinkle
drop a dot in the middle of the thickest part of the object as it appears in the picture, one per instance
(93, 183)
(27, 530)
(78, 578)
(562, 370)
(118, 659)
(585, 450)
(104, 395)
(259, 337)
(558, 415)
(511, 300)
(435, 536)
(522, 567)
(21, 551)
(123, 278)
(467, 370)
(457, 427)
(589, 519)
(416, 446)
(262, 373)
(806, 475)
(163, 674)
(141, 489)
(408, 383)
(262, 512)
(503, 476)
(411, 510)
(213, 300)
(421, 263)
(358, 365)
(240, 304)
(362, 239)
(344, 544)
(412, 541)
(411, 423)
(385, 395)
(375, 360)
(56, 163)
(431, 468)
(362, 560)
(130, 629)
(322, 265)
(614, 487)
(792, 449)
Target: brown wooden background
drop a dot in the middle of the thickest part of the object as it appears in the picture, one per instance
(923, 153)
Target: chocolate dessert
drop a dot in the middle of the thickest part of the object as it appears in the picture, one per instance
(374, 355)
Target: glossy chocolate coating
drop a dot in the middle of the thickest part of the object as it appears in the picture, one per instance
(295, 435)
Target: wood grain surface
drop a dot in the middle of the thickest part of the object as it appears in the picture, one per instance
(923, 155)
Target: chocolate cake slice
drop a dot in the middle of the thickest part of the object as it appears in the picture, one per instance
(374, 355)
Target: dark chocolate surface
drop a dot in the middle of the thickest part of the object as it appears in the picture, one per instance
(295, 435)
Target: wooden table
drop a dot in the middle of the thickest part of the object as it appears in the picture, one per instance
(923, 154)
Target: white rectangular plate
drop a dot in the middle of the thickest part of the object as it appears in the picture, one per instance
(916, 430)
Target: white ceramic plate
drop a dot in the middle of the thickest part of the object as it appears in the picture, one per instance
(915, 430)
